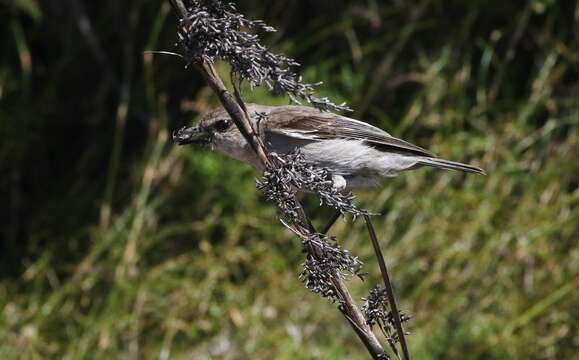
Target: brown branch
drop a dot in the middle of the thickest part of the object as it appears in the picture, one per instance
(234, 109)
(240, 117)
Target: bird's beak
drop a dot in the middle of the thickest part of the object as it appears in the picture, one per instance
(191, 135)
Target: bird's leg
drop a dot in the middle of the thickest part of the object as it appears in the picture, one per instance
(331, 222)
(339, 183)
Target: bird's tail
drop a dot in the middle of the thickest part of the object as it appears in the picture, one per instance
(451, 165)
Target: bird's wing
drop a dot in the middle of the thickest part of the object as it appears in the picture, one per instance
(299, 123)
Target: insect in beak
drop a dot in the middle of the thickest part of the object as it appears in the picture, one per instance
(191, 135)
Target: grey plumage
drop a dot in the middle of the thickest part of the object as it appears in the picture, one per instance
(357, 153)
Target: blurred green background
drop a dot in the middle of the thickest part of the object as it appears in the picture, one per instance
(117, 244)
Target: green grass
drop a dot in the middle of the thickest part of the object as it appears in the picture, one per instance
(134, 248)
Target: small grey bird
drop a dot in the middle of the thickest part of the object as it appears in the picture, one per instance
(356, 153)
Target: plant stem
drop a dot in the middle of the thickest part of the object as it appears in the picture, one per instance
(240, 117)
(388, 286)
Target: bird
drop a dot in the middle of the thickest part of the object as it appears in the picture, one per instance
(355, 153)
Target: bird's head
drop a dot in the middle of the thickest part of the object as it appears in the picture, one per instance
(217, 131)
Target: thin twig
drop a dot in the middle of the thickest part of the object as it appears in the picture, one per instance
(388, 286)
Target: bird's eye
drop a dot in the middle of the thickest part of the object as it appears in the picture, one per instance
(222, 125)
